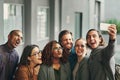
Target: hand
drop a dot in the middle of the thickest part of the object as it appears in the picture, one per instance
(112, 30)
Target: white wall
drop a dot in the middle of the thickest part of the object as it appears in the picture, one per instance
(112, 9)
(1, 22)
(69, 7)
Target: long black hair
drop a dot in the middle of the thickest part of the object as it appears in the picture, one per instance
(26, 53)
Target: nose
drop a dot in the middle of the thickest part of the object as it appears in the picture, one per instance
(40, 54)
(91, 37)
(68, 41)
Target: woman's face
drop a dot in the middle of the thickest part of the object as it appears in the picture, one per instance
(36, 56)
(57, 50)
(80, 48)
(93, 39)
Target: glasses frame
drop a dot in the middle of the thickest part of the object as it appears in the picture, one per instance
(36, 53)
(57, 48)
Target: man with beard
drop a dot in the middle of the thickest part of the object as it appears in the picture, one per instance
(66, 41)
(9, 56)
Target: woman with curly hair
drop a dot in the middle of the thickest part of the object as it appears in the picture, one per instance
(55, 66)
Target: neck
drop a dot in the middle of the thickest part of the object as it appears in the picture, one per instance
(56, 60)
(56, 64)
(32, 65)
(9, 46)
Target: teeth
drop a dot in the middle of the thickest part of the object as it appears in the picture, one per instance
(17, 42)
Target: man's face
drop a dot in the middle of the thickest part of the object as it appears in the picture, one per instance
(15, 39)
(93, 39)
(67, 41)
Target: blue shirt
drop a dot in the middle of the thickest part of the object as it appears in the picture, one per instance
(72, 59)
(8, 62)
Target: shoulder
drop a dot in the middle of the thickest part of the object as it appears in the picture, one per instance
(65, 65)
(44, 67)
(2, 49)
(22, 73)
(85, 61)
(22, 68)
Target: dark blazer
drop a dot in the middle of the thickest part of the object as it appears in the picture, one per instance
(100, 59)
(83, 71)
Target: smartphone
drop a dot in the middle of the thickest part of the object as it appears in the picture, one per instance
(104, 26)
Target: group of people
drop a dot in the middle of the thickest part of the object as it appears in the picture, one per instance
(60, 60)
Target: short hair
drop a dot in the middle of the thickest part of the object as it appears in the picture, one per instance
(62, 33)
(14, 31)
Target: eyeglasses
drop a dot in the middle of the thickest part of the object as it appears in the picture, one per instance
(36, 53)
(57, 48)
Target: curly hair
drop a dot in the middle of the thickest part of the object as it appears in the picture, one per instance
(47, 54)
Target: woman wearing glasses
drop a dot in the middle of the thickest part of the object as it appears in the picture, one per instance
(29, 65)
(55, 66)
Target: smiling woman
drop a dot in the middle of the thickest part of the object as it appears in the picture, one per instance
(54, 65)
(81, 71)
(29, 65)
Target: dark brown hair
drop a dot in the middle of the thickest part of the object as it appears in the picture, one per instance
(62, 33)
(13, 31)
(26, 53)
(47, 54)
(102, 43)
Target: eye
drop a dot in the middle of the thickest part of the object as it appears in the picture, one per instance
(57, 48)
(80, 46)
(36, 53)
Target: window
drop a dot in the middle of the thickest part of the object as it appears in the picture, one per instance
(13, 18)
(78, 24)
(42, 23)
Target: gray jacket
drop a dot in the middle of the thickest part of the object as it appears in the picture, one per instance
(102, 58)
(47, 73)
(82, 72)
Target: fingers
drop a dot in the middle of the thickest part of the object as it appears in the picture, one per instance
(112, 30)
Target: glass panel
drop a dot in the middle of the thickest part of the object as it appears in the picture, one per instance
(78, 24)
(42, 23)
(13, 16)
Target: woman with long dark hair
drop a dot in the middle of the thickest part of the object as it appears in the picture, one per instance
(29, 65)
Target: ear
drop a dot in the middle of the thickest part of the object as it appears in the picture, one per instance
(29, 58)
(100, 40)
